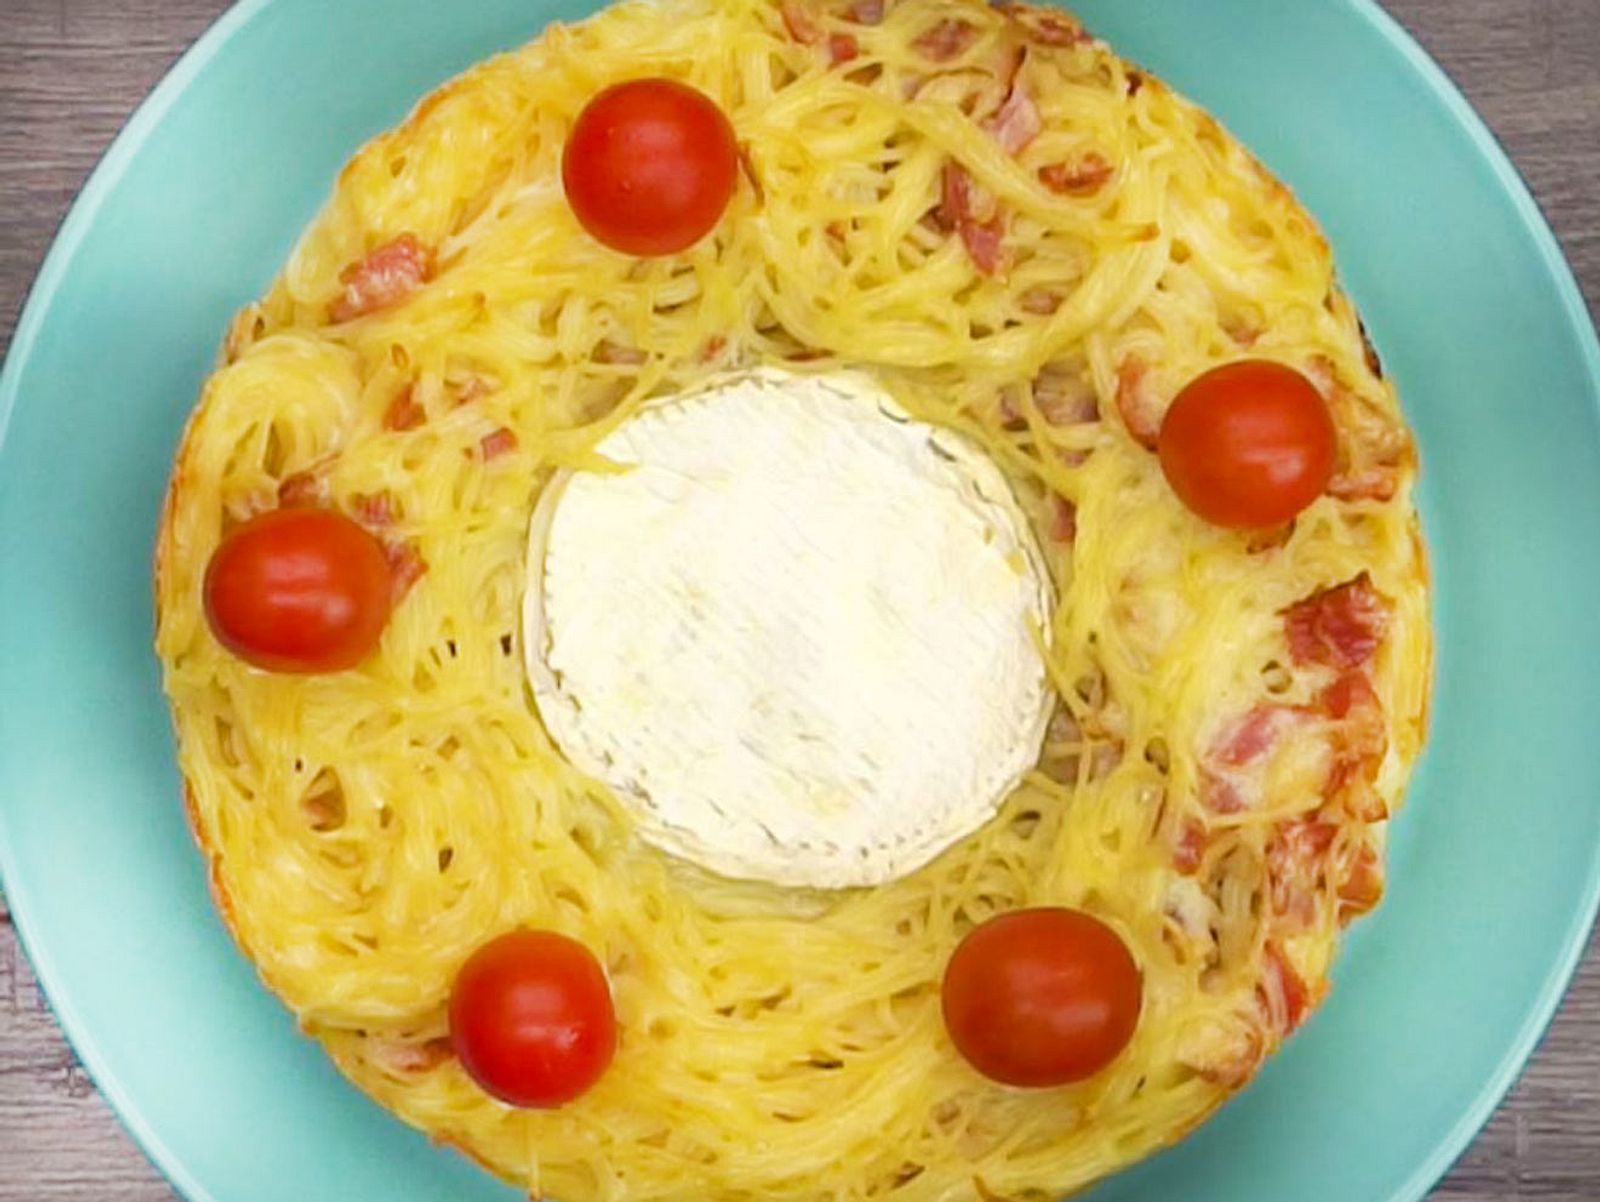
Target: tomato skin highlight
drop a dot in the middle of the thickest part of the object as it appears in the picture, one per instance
(299, 590)
(531, 1018)
(650, 166)
(1248, 445)
(1039, 998)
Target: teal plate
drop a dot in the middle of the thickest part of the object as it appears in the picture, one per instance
(1496, 862)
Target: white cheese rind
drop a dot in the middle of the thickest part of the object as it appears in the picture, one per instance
(797, 634)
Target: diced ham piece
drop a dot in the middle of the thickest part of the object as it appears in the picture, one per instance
(1339, 627)
(984, 245)
(1190, 847)
(946, 40)
(497, 443)
(1082, 178)
(1135, 402)
(1016, 122)
(974, 214)
(384, 278)
(866, 12)
(1065, 396)
(842, 48)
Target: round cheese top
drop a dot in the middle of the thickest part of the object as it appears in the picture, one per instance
(797, 631)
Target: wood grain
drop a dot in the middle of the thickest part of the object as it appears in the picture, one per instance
(71, 71)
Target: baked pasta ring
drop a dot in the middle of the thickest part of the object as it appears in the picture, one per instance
(1024, 239)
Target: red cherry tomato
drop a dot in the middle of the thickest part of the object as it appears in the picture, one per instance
(1248, 445)
(531, 1018)
(299, 590)
(1041, 997)
(650, 166)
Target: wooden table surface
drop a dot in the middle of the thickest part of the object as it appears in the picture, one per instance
(70, 72)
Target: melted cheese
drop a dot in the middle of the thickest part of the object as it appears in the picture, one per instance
(798, 631)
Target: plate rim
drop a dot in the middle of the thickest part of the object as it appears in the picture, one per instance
(147, 116)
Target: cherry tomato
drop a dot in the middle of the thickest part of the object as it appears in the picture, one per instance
(1248, 445)
(1041, 997)
(531, 1018)
(650, 166)
(299, 590)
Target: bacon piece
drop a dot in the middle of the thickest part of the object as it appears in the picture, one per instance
(404, 413)
(1360, 742)
(1135, 403)
(409, 1056)
(1063, 520)
(865, 12)
(800, 23)
(1287, 996)
(1362, 887)
(842, 48)
(1352, 693)
(374, 509)
(1190, 847)
(300, 490)
(1221, 795)
(973, 213)
(1297, 862)
(497, 443)
(1065, 396)
(384, 278)
(1083, 178)
(1339, 627)
(406, 567)
(984, 245)
(1135, 82)
(1016, 122)
(1225, 784)
(1249, 738)
(946, 40)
